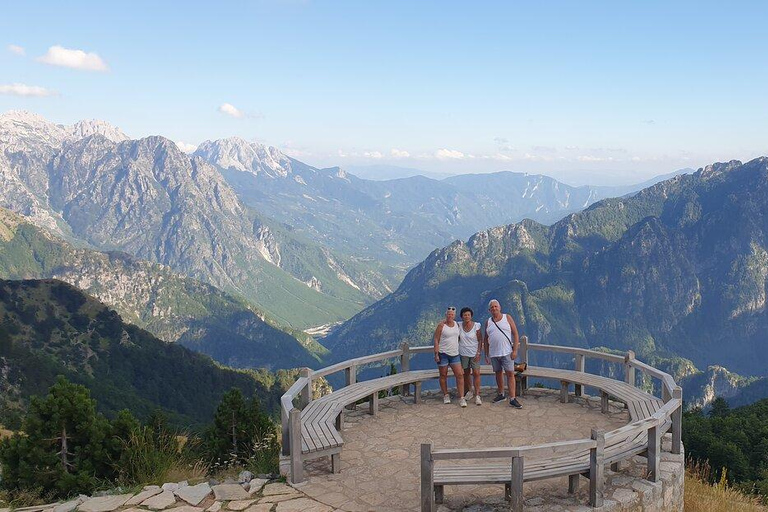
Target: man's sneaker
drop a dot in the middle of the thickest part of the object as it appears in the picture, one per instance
(447, 399)
(463, 402)
(514, 403)
(499, 398)
(477, 400)
(468, 395)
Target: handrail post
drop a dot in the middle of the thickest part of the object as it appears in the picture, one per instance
(578, 366)
(285, 430)
(306, 391)
(518, 464)
(597, 468)
(523, 356)
(427, 478)
(297, 465)
(350, 377)
(677, 422)
(654, 455)
(665, 393)
(629, 369)
(405, 366)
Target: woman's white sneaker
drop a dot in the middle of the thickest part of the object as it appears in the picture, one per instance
(447, 399)
(463, 402)
(477, 400)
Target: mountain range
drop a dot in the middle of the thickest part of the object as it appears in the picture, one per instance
(150, 295)
(676, 270)
(306, 246)
(147, 198)
(398, 221)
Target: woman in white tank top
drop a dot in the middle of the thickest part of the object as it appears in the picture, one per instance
(446, 341)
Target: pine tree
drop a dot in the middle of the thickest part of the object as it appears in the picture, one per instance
(65, 447)
(239, 427)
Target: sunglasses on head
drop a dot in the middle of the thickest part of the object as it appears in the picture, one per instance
(451, 308)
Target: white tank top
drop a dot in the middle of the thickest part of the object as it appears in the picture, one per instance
(499, 337)
(449, 340)
(468, 341)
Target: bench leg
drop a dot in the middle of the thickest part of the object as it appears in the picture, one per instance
(603, 402)
(517, 485)
(564, 391)
(336, 463)
(523, 385)
(373, 404)
(340, 421)
(508, 492)
(417, 393)
(439, 494)
(578, 390)
(573, 483)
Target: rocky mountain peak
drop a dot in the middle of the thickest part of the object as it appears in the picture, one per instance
(86, 128)
(20, 128)
(718, 168)
(238, 154)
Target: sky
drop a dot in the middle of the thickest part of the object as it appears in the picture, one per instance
(587, 92)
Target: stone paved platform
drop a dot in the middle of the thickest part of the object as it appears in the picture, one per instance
(380, 459)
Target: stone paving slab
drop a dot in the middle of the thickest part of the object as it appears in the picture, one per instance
(229, 492)
(302, 505)
(194, 494)
(278, 488)
(240, 504)
(161, 501)
(104, 503)
(262, 507)
(144, 495)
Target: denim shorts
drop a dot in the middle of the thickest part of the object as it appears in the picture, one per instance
(445, 359)
(503, 363)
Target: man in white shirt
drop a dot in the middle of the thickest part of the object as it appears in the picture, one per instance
(501, 342)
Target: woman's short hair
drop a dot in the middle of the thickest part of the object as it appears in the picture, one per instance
(464, 310)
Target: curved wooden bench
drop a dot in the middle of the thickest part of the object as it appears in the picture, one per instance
(529, 463)
(322, 419)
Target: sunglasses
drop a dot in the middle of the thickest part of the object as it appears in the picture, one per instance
(451, 309)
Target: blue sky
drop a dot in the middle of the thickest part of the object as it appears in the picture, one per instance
(584, 91)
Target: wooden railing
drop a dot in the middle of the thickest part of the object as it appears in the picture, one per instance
(671, 395)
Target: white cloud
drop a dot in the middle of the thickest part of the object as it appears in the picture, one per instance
(449, 154)
(26, 90)
(342, 154)
(373, 154)
(75, 59)
(399, 153)
(187, 148)
(17, 50)
(591, 158)
(231, 110)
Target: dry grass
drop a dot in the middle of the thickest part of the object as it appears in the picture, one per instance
(5, 433)
(700, 496)
(193, 473)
